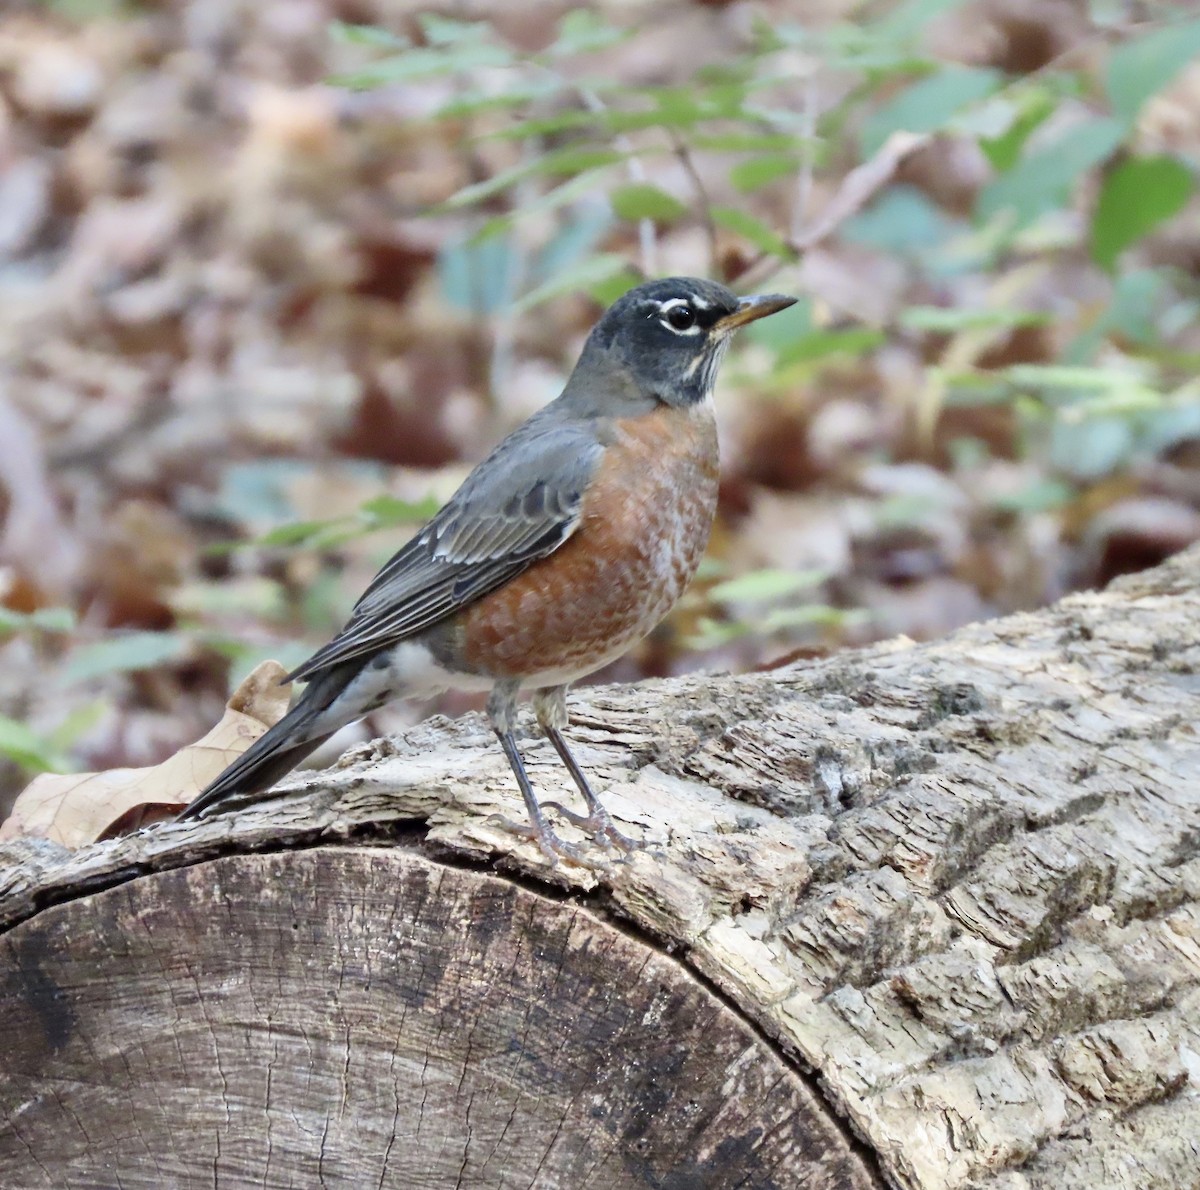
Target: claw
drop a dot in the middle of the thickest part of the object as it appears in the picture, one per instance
(552, 846)
(598, 825)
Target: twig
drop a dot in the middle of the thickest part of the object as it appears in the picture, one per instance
(647, 239)
(504, 325)
(683, 153)
(804, 181)
(858, 187)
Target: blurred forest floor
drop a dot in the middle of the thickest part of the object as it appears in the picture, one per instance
(231, 300)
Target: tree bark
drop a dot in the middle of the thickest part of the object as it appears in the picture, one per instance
(918, 916)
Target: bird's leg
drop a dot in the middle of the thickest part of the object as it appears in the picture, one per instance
(550, 706)
(501, 709)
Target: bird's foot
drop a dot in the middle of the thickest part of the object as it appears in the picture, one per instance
(552, 846)
(599, 826)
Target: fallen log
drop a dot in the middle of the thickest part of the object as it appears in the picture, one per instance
(920, 916)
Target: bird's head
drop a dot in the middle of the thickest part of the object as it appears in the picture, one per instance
(668, 337)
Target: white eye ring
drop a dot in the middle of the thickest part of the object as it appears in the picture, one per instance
(679, 315)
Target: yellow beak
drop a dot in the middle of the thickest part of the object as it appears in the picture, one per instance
(750, 308)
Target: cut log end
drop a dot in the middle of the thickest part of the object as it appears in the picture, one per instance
(351, 1016)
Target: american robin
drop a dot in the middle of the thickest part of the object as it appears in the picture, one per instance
(567, 544)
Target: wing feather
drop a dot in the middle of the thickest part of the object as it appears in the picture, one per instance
(519, 505)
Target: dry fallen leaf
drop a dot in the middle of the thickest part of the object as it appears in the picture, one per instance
(78, 808)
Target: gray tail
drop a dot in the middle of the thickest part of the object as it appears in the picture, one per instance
(275, 753)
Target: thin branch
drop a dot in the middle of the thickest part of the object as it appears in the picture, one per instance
(647, 239)
(861, 184)
(858, 187)
(804, 181)
(684, 154)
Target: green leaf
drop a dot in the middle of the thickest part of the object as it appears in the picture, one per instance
(910, 18)
(1042, 181)
(747, 142)
(972, 390)
(45, 619)
(1029, 111)
(384, 511)
(425, 63)
(819, 343)
(643, 201)
(808, 615)
(948, 320)
(585, 276)
(542, 126)
(927, 105)
(371, 35)
(583, 31)
(257, 491)
(1176, 422)
(295, 533)
(905, 510)
(1065, 376)
(1132, 400)
(754, 230)
(1139, 68)
(761, 585)
(684, 107)
(574, 242)
(711, 634)
(903, 220)
(78, 722)
(761, 171)
(584, 184)
(1137, 299)
(518, 94)
(479, 275)
(445, 31)
(562, 161)
(1093, 448)
(1137, 196)
(607, 290)
(123, 654)
(1042, 495)
(25, 747)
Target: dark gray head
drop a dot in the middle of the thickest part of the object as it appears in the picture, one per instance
(665, 339)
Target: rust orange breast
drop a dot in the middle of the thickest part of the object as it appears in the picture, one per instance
(644, 526)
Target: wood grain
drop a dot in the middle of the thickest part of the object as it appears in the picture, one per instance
(362, 1017)
(956, 885)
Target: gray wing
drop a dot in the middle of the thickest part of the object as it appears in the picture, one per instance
(520, 504)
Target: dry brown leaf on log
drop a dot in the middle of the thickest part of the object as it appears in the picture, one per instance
(78, 808)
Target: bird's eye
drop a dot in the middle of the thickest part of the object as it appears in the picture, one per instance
(681, 317)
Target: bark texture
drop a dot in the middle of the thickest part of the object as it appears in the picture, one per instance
(934, 912)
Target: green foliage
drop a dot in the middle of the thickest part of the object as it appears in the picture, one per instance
(46, 619)
(760, 585)
(753, 230)
(582, 135)
(25, 747)
(1023, 110)
(643, 201)
(563, 164)
(382, 512)
(929, 105)
(1143, 66)
(124, 653)
(1137, 196)
(1041, 181)
(773, 609)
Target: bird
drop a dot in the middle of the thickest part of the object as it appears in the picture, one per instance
(565, 546)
